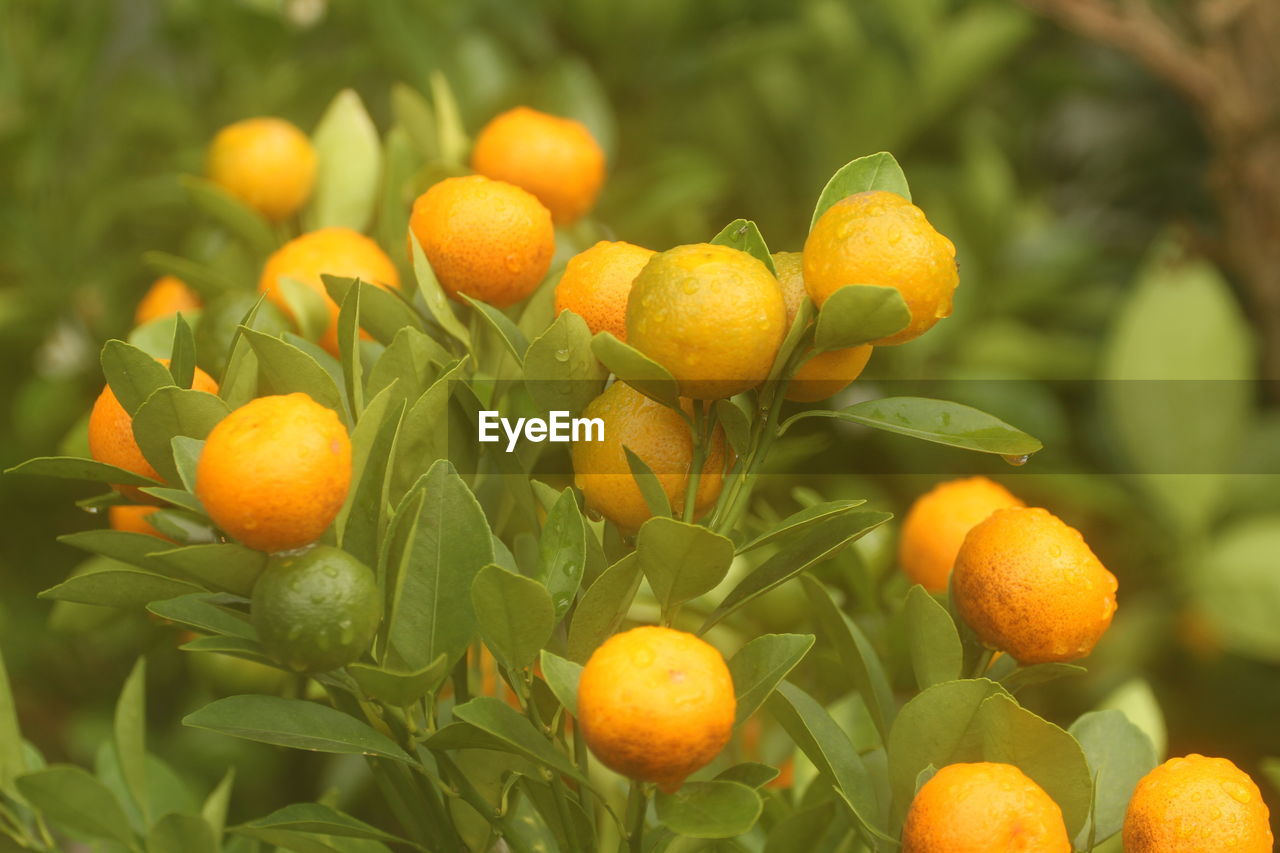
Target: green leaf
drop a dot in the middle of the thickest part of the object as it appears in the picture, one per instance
(350, 162)
(318, 819)
(451, 137)
(508, 726)
(749, 773)
(132, 374)
(236, 647)
(823, 542)
(204, 279)
(514, 613)
(414, 113)
(76, 468)
(69, 797)
(859, 314)
(186, 458)
(171, 412)
(214, 810)
(424, 435)
(561, 371)
(1137, 701)
(744, 235)
(182, 833)
(761, 664)
(681, 561)
(718, 809)
(182, 358)
(384, 313)
(307, 307)
(349, 351)
(872, 172)
(117, 585)
(12, 759)
(797, 333)
(637, 369)
(1119, 755)
(294, 723)
(412, 361)
(286, 369)
(363, 518)
(200, 612)
(132, 548)
(130, 737)
(603, 607)
(1040, 673)
(508, 332)
(655, 497)
(736, 422)
(242, 220)
(227, 567)
(400, 688)
(1237, 587)
(562, 552)
(433, 295)
(562, 677)
(934, 643)
(800, 521)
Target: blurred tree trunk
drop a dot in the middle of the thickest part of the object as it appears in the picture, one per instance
(1223, 57)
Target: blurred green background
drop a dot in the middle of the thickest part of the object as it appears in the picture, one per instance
(1072, 182)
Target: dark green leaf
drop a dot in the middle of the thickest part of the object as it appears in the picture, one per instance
(508, 332)
(384, 313)
(761, 664)
(182, 358)
(936, 654)
(637, 369)
(719, 809)
(293, 723)
(319, 819)
(562, 552)
(400, 688)
(603, 607)
(681, 561)
(562, 677)
(132, 374)
(433, 296)
(349, 351)
(515, 615)
(872, 172)
(171, 412)
(200, 612)
(499, 720)
(286, 368)
(561, 371)
(225, 566)
(118, 585)
(800, 521)
(76, 468)
(69, 797)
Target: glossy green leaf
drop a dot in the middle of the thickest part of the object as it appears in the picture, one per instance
(717, 809)
(400, 688)
(655, 496)
(936, 653)
(872, 172)
(744, 235)
(603, 607)
(502, 325)
(350, 162)
(561, 371)
(171, 412)
(800, 521)
(319, 819)
(760, 665)
(507, 725)
(438, 305)
(562, 552)
(681, 561)
(285, 369)
(201, 612)
(75, 468)
(562, 677)
(132, 548)
(515, 615)
(294, 723)
(363, 518)
(383, 313)
(225, 567)
(118, 585)
(132, 374)
(859, 314)
(637, 369)
(182, 356)
(68, 796)
(736, 422)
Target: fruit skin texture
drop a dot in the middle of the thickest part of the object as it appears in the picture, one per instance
(484, 238)
(333, 251)
(167, 296)
(1197, 805)
(556, 159)
(133, 519)
(656, 704)
(597, 282)
(712, 315)
(827, 373)
(983, 808)
(275, 472)
(111, 435)
(937, 523)
(267, 163)
(881, 238)
(1027, 584)
(317, 610)
(657, 435)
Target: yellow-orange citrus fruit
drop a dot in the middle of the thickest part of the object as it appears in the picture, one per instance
(596, 283)
(167, 296)
(656, 434)
(487, 239)
(1197, 805)
(556, 159)
(275, 472)
(983, 808)
(937, 523)
(267, 163)
(111, 435)
(712, 315)
(827, 373)
(1027, 584)
(881, 238)
(133, 519)
(656, 704)
(335, 251)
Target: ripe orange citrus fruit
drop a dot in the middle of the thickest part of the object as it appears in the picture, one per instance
(333, 251)
(596, 283)
(660, 437)
(111, 435)
(1197, 805)
(133, 519)
(656, 704)
(1029, 585)
(488, 239)
(275, 472)
(711, 315)
(881, 238)
(937, 523)
(983, 808)
(827, 373)
(267, 163)
(167, 296)
(556, 159)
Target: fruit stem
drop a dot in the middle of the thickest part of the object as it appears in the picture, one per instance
(637, 805)
(702, 429)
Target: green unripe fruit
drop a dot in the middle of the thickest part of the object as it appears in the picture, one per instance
(317, 610)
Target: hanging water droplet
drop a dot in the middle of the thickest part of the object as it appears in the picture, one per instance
(1017, 461)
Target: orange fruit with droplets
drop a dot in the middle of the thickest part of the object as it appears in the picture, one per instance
(267, 163)
(556, 159)
(167, 296)
(827, 373)
(656, 704)
(111, 435)
(487, 239)
(1027, 584)
(1197, 804)
(882, 239)
(596, 283)
(275, 472)
(335, 251)
(661, 438)
(983, 808)
(937, 522)
(131, 518)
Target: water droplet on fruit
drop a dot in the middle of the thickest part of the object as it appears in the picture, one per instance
(1237, 792)
(1015, 460)
(562, 355)
(642, 657)
(513, 262)
(895, 236)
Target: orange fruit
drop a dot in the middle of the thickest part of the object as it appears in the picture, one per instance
(133, 519)
(983, 808)
(596, 283)
(167, 296)
(111, 435)
(275, 472)
(267, 163)
(711, 315)
(1197, 805)
(656, 434)
(333, 251)
(881, 238)
(487, 239)
(826, 373)
(1027, 584)
(656, 704)
(937, 523)
(556, 159)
